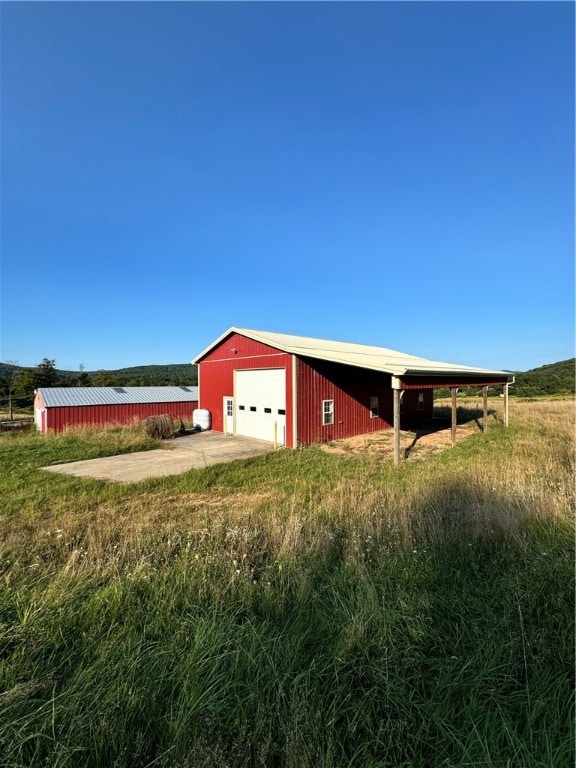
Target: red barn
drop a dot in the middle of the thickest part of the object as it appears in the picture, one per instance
(60, 407)
(295, 390)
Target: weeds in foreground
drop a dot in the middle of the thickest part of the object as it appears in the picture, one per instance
(297, 609)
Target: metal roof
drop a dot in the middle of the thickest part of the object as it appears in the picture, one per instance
(358, 355)
(62, 396)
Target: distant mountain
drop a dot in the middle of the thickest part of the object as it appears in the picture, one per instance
(553, 379)
(174, 374)
(7, 368)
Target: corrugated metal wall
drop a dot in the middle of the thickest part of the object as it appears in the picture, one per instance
(411, 410)
(60, 418)
(440, 380)
(351, 389)
(216, 374)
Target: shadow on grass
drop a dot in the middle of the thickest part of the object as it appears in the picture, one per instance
(435, 634)
(442, 421)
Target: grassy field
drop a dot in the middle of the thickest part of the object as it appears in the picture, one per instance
(301, 609)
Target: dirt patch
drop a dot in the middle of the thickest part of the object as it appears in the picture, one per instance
(419, 443)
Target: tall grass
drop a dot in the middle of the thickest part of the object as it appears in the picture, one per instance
(296, 609)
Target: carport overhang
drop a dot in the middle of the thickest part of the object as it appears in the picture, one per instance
(453, 381)
(406, 371)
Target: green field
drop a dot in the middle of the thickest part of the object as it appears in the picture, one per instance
(301, 609)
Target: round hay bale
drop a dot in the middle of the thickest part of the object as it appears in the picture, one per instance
(159, 427)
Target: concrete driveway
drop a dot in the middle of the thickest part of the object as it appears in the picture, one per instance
(181, 454)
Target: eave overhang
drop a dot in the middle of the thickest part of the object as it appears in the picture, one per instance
(361, 356)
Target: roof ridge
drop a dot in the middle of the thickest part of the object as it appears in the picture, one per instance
(384, 359)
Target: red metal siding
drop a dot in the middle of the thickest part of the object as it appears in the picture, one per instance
(351, 389)
(236, 352)
(58, 418)
(436, 382)
(409, 410)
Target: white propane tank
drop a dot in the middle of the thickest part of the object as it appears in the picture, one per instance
(201, 418)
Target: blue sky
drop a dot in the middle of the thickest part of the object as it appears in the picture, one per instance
(399, 174)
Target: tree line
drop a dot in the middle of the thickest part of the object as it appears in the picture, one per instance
(555, 379)
(17, 384)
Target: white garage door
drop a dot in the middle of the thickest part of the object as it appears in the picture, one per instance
(260, 402)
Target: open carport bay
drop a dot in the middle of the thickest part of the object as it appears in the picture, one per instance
(183, 453)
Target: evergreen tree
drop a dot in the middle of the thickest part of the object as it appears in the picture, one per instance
(30, 379)
(46, 374)
(104, 379)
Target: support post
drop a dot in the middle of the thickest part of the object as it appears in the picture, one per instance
(485, 415)
(396, 427)
(506, 404)
(454, 392)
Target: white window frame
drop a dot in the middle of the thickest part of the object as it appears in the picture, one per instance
(420, 404)
(374, 407)
(327, 412)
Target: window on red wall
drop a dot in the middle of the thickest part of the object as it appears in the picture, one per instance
(420, 405)
(374, 409)
(327, 412)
